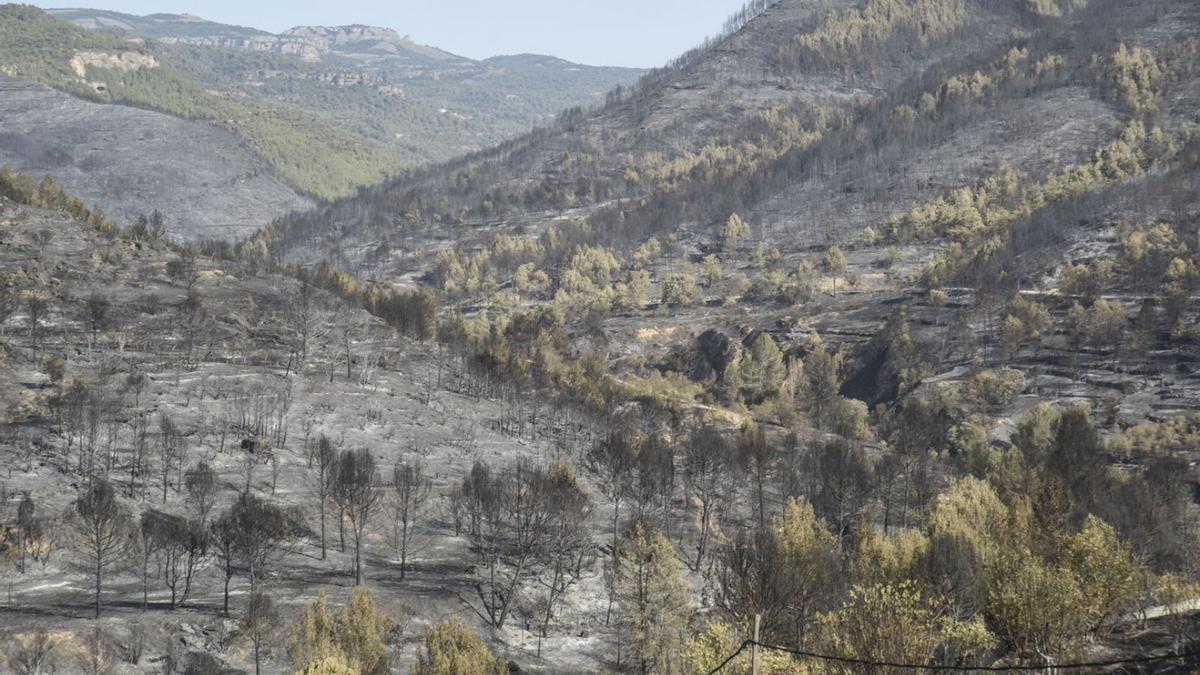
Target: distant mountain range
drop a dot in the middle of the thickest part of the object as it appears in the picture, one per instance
(326, 109)
(382, 46)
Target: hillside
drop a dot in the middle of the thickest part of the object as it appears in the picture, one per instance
(145, 334)
(197, 388)
(928, 229)
(1011, 116)
(417, 98)
(154, 25)
(324, 129)
(867, 324)
(740, 103)
(200, 178)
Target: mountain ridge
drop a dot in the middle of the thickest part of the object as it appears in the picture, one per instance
(319, 40)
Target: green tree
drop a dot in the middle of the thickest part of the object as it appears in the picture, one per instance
(312, 639)
(734, 233)
(762, 370)
(654, 600)
(680, 289)
(850, 419)
(807, 555)
(712, 646)
(881, 558)
(1106, 324)
(710, 271)
(353, 636)
(451, 648)
(1037, 610)
(1023, 322)
(834, 263)
(966, 535)
(1104, 567)
(330, 665)
(1035, 434)
(647, 253)
(822, 370)
(899, 624)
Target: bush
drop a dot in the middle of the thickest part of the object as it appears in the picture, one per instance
(451, 648)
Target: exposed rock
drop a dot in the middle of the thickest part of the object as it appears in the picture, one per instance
(124, 62)
(714, 353)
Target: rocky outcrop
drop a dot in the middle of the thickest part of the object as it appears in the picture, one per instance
(714, 353)
(124, 62)
(312, 43)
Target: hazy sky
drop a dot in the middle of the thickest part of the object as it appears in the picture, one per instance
(639, 33)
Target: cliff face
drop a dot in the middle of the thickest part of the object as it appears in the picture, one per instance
(313, 43)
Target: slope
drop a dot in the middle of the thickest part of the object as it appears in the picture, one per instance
(876, 155)
(740, 102)
(130, 161)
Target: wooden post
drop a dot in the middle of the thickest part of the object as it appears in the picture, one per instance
(754, 653)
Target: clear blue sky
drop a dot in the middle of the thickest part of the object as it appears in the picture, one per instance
(641, 33)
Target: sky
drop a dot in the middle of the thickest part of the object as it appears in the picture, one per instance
(635, 33)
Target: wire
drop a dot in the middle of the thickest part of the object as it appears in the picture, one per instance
(732, 656)
(945, 668)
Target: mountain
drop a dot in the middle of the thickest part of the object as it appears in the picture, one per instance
(490, 100)
(154, 25)
(813, 167)
(324, 128)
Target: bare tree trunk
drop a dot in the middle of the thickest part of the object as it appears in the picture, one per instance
(99, 570)
(322, 529)
(225, 609)
(357, 559)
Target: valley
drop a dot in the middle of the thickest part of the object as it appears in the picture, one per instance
(867, 325)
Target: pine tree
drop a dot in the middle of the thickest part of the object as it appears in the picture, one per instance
(735, 231)
(762, 370)
(655, 601)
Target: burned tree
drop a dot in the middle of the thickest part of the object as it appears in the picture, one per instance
(515, 513)
(355, 494)
(259, 624)
(181, 547)
(247, 536)
(98, 314)
(170, 450)
(568, 549)
(613, 461)
(410, 499)
(223, 535)
(103, 535)
(27, 527)
(323, 466)
(201, 485)
(705, 462)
